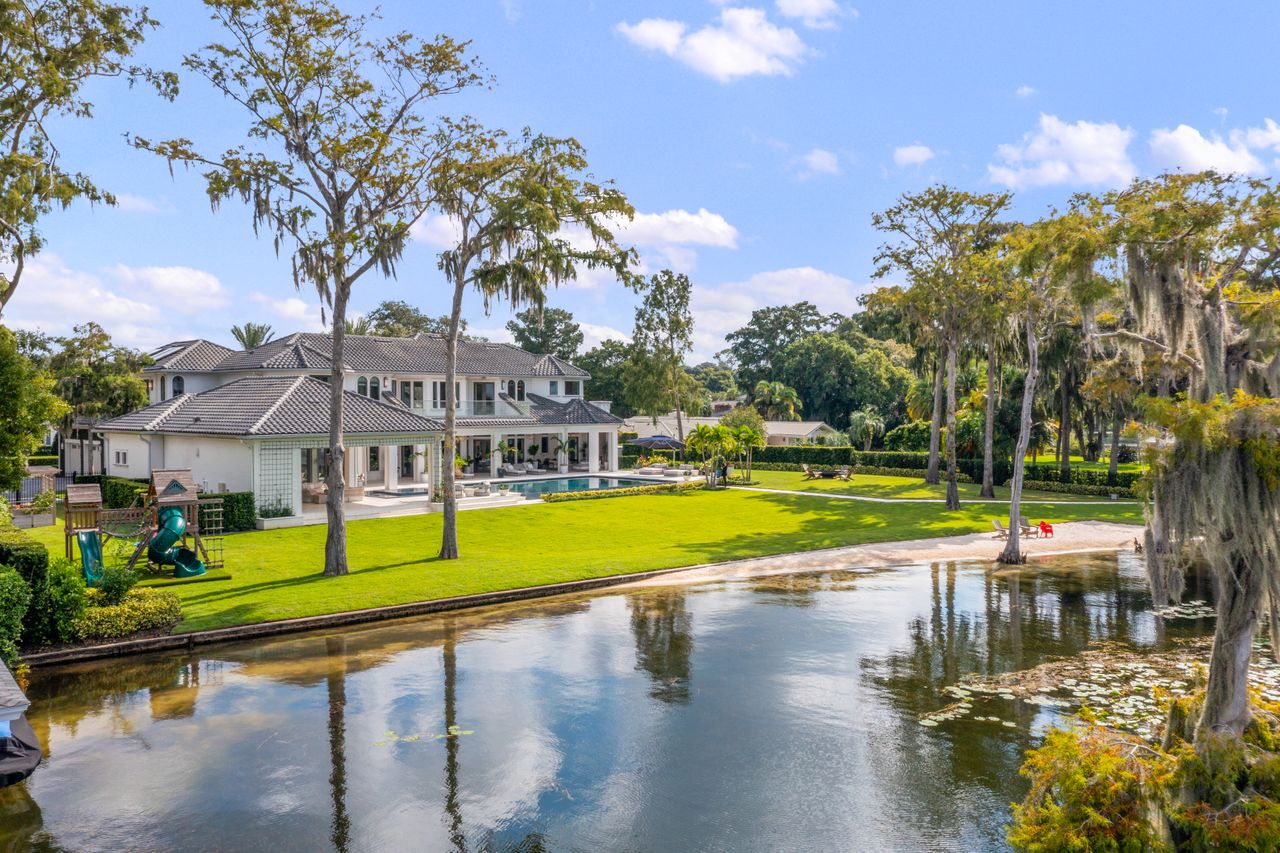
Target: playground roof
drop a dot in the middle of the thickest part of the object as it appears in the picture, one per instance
(419, 354)
(270, 406)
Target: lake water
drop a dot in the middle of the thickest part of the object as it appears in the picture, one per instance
(780, 713)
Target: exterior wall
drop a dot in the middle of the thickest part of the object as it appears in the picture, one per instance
(193, 383)
(137, 455)
(213, 461)
(71, 457)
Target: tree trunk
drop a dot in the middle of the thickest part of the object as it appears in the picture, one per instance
(1226, 698)
(336, 649)
(1113, 464)
(1064, 427)
(453, 796)
(1012, 552)
(989, 431)
(935, 425)
(449, 536)
(335, 543)
(675, 391)
(953, 491)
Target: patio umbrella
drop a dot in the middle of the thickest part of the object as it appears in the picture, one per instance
(659, 442)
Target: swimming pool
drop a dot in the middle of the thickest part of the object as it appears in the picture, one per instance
(537, 488)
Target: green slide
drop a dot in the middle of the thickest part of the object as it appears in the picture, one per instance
(90, 555)
(161, 548)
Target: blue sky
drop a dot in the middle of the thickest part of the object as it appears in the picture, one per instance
(754, 139)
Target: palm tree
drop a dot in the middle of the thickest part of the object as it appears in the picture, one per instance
(864, 425)
(359, 325)
(777, 402)
(252, 335)
(748, 438)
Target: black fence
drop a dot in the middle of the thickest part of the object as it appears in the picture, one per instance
(31, 486)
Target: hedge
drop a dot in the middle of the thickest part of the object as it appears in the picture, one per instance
(117, 492)
(831, 457)
(961, 477)
(1078, 488)
(1082, 476)
(30, 560)
(15, 604)
(141, 610)
(238, 511)
(596, 494)
(42, 460)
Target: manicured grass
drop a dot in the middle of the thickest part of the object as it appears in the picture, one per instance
(1078, 462)
(277, 574)
(875, 486)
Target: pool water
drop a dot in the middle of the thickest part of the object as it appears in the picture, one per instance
(775, 713)
(536, 488)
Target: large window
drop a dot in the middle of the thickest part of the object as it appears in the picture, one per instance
(375, 390)
(511, 388)
(555, 388)
(362, 386)
(483, 394)
(179, 386)
(406, 460)
(411, 393)
(374, 459)
(572, 388)
(520, 390)
(438, 395)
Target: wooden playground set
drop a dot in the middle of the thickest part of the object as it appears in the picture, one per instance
(170, 525)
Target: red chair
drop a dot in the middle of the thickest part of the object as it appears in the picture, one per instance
(1046, 530)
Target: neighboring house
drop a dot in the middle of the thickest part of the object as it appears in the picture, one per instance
(777, 432)
(531, 403)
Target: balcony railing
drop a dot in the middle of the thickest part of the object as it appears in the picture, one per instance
(482, 409)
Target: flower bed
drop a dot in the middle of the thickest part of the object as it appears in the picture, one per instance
(596, 494)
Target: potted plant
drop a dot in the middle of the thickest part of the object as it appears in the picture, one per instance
(37, 513)
(558, 446)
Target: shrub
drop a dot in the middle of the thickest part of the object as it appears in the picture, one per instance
(914, 473)
(115, 584)
(41, 504)
(141, 610)
(30, 560)
(117, 492)
(280, 509)
(15, 599)
(1082, 476)
(43, 459)
(1077, 489)
(238, 511)
(6, 513)
(66, 601)
(565, 497)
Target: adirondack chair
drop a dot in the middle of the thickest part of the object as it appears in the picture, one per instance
(1001, 532)
(1027, 528)
(843, 473)
(809, 473)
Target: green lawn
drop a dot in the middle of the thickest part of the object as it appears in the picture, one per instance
(875, 486)
(276, 574)
(1078, 462)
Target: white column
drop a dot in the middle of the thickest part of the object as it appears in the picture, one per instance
(562, 458)
(593, 452)
(419, 462)
(391, 472)
(613, 450)
(495, 458)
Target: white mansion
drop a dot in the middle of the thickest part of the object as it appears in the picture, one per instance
(257, 420)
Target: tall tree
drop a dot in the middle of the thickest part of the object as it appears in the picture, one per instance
(339, 161)
(777, 401)
(717, 379)
(513, 200)
(664, 333)
(1201, 255)
(607, 364)
(50, 50)
(754, 349)
(865, 425)
(547, 331)
(252, 335)
(394, 318)
(27, 406)
(96, 379)
(935, 238)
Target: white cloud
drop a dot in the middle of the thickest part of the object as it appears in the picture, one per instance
(594, 333)
(912, 155)
(1186, 149)
(723, 308)
(820, 161)
(1025, 91)
(1267, 136)
(1059, 152)
(743, 42)
(181, 290)
(302, 316)
(678, 226)
(815, 14)
(437, 231)
(130, 203)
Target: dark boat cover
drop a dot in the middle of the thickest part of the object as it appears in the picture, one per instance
(19, 753)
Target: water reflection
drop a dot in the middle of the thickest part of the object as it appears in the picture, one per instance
(576, 723)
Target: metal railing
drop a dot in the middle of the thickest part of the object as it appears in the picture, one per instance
(482, 409)
(31, 486)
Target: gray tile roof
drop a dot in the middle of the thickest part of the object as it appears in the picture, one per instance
(270, 406)
(192, 356)
(419, 354)
(548, 411)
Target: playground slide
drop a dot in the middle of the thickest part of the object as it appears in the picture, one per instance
(90, 554)
(161, 550)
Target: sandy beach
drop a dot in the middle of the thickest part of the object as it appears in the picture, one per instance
(1069, 537)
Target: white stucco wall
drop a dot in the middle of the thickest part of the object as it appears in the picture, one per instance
(137, 455)
(213, 461)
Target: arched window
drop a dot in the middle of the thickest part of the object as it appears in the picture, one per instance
(179, 386)
(362, 386)
(511, 387)
(520, 390)
(374, 390)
